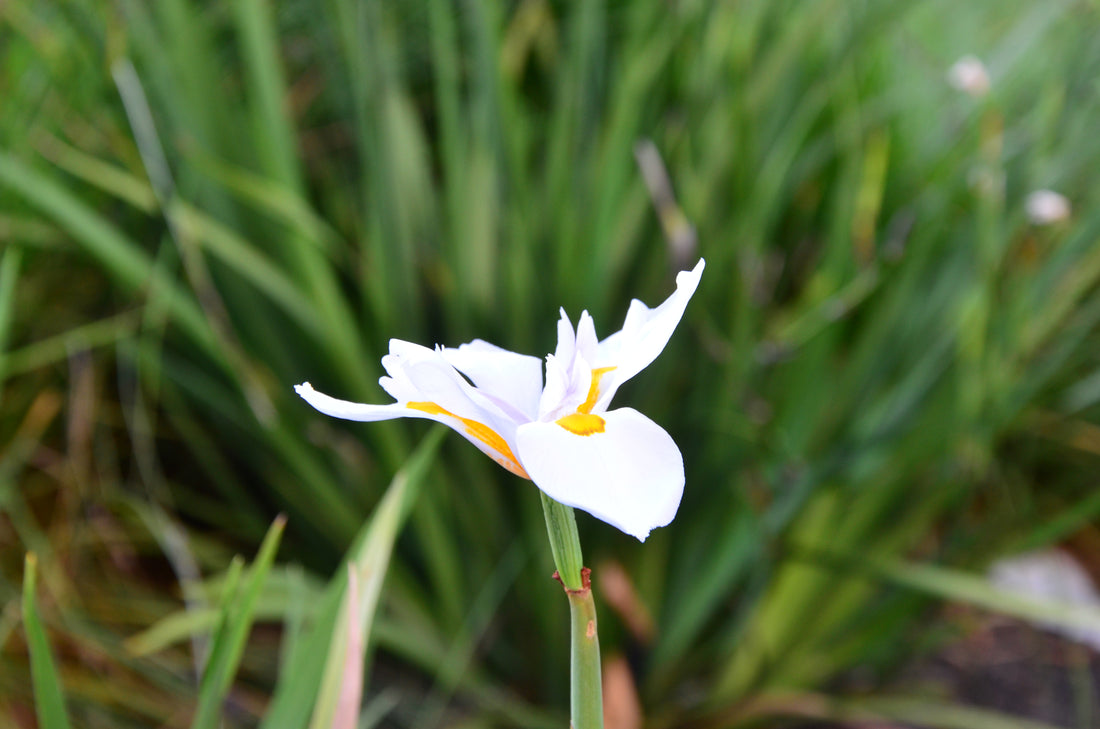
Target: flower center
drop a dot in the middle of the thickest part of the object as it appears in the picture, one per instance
(482, 432)
(582, 423)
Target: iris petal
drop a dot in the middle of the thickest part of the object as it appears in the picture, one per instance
(513, 379)
(360, 411)
(629, 474)
(644, 335)
(477, 430)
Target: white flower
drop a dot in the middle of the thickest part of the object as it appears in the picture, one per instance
(1046, 206)
(969, 75)
(1056, 578)
(617, 465)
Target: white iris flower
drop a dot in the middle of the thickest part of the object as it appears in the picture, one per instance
(617, 465)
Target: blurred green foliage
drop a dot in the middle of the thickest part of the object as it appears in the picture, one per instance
(203, 203)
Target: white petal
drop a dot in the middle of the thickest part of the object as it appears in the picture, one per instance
(557, 382)
(401, 355)
(425, 385)
(567, 340)
(566, 388)
(348, 410)
(644, 335)
(631, 475)
(483, 430)
(586, 337)
(512, 378)
(421, 374)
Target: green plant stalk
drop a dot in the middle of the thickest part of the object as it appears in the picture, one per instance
(49, 699)
(585, 687)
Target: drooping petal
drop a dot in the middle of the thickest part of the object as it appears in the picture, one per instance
(348, 410)
(644, 335)
(481, 432)
(425, 385)
(619, 466)
(514, 379)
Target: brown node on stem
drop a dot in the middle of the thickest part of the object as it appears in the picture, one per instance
(586, 582)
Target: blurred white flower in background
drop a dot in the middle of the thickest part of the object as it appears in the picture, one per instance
(969, 75)
(1045, 207)
(1055, 577)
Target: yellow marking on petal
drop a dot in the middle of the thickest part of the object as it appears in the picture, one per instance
(594, 389)
(482, 432)
(582, 423)
(429, 407)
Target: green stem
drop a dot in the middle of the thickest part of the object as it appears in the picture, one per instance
(586, 691)
(561, 526)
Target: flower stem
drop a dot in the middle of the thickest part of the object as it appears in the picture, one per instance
(585, 692)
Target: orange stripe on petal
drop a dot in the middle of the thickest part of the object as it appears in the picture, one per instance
(482, 432)
(594, 389)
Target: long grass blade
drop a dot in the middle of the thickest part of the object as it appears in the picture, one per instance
(309, 685)
(10, 263)
(369, 562)
(238, 612)
(49, 700)
(119, 255)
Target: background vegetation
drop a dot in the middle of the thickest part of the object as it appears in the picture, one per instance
(888, 377)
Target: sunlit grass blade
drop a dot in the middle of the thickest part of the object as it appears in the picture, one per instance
(937, 714)
(346, 713)
(49, 700)
(370, 561)
(55, 349)
(237, 613)
(251, 264)
(120, 183)
(278, 152)
(223, 242)
(310, 681)
(925, 712)
(119, 255)
(274, 201)
(10, 264)
(286, 591)
(958, 586)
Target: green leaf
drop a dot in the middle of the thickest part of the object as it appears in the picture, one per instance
(237, 611)
(959, 586)
(370, 562)
(123, 258)
(914, 711)
(10, 264)
(49, 700)
(309, 686)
